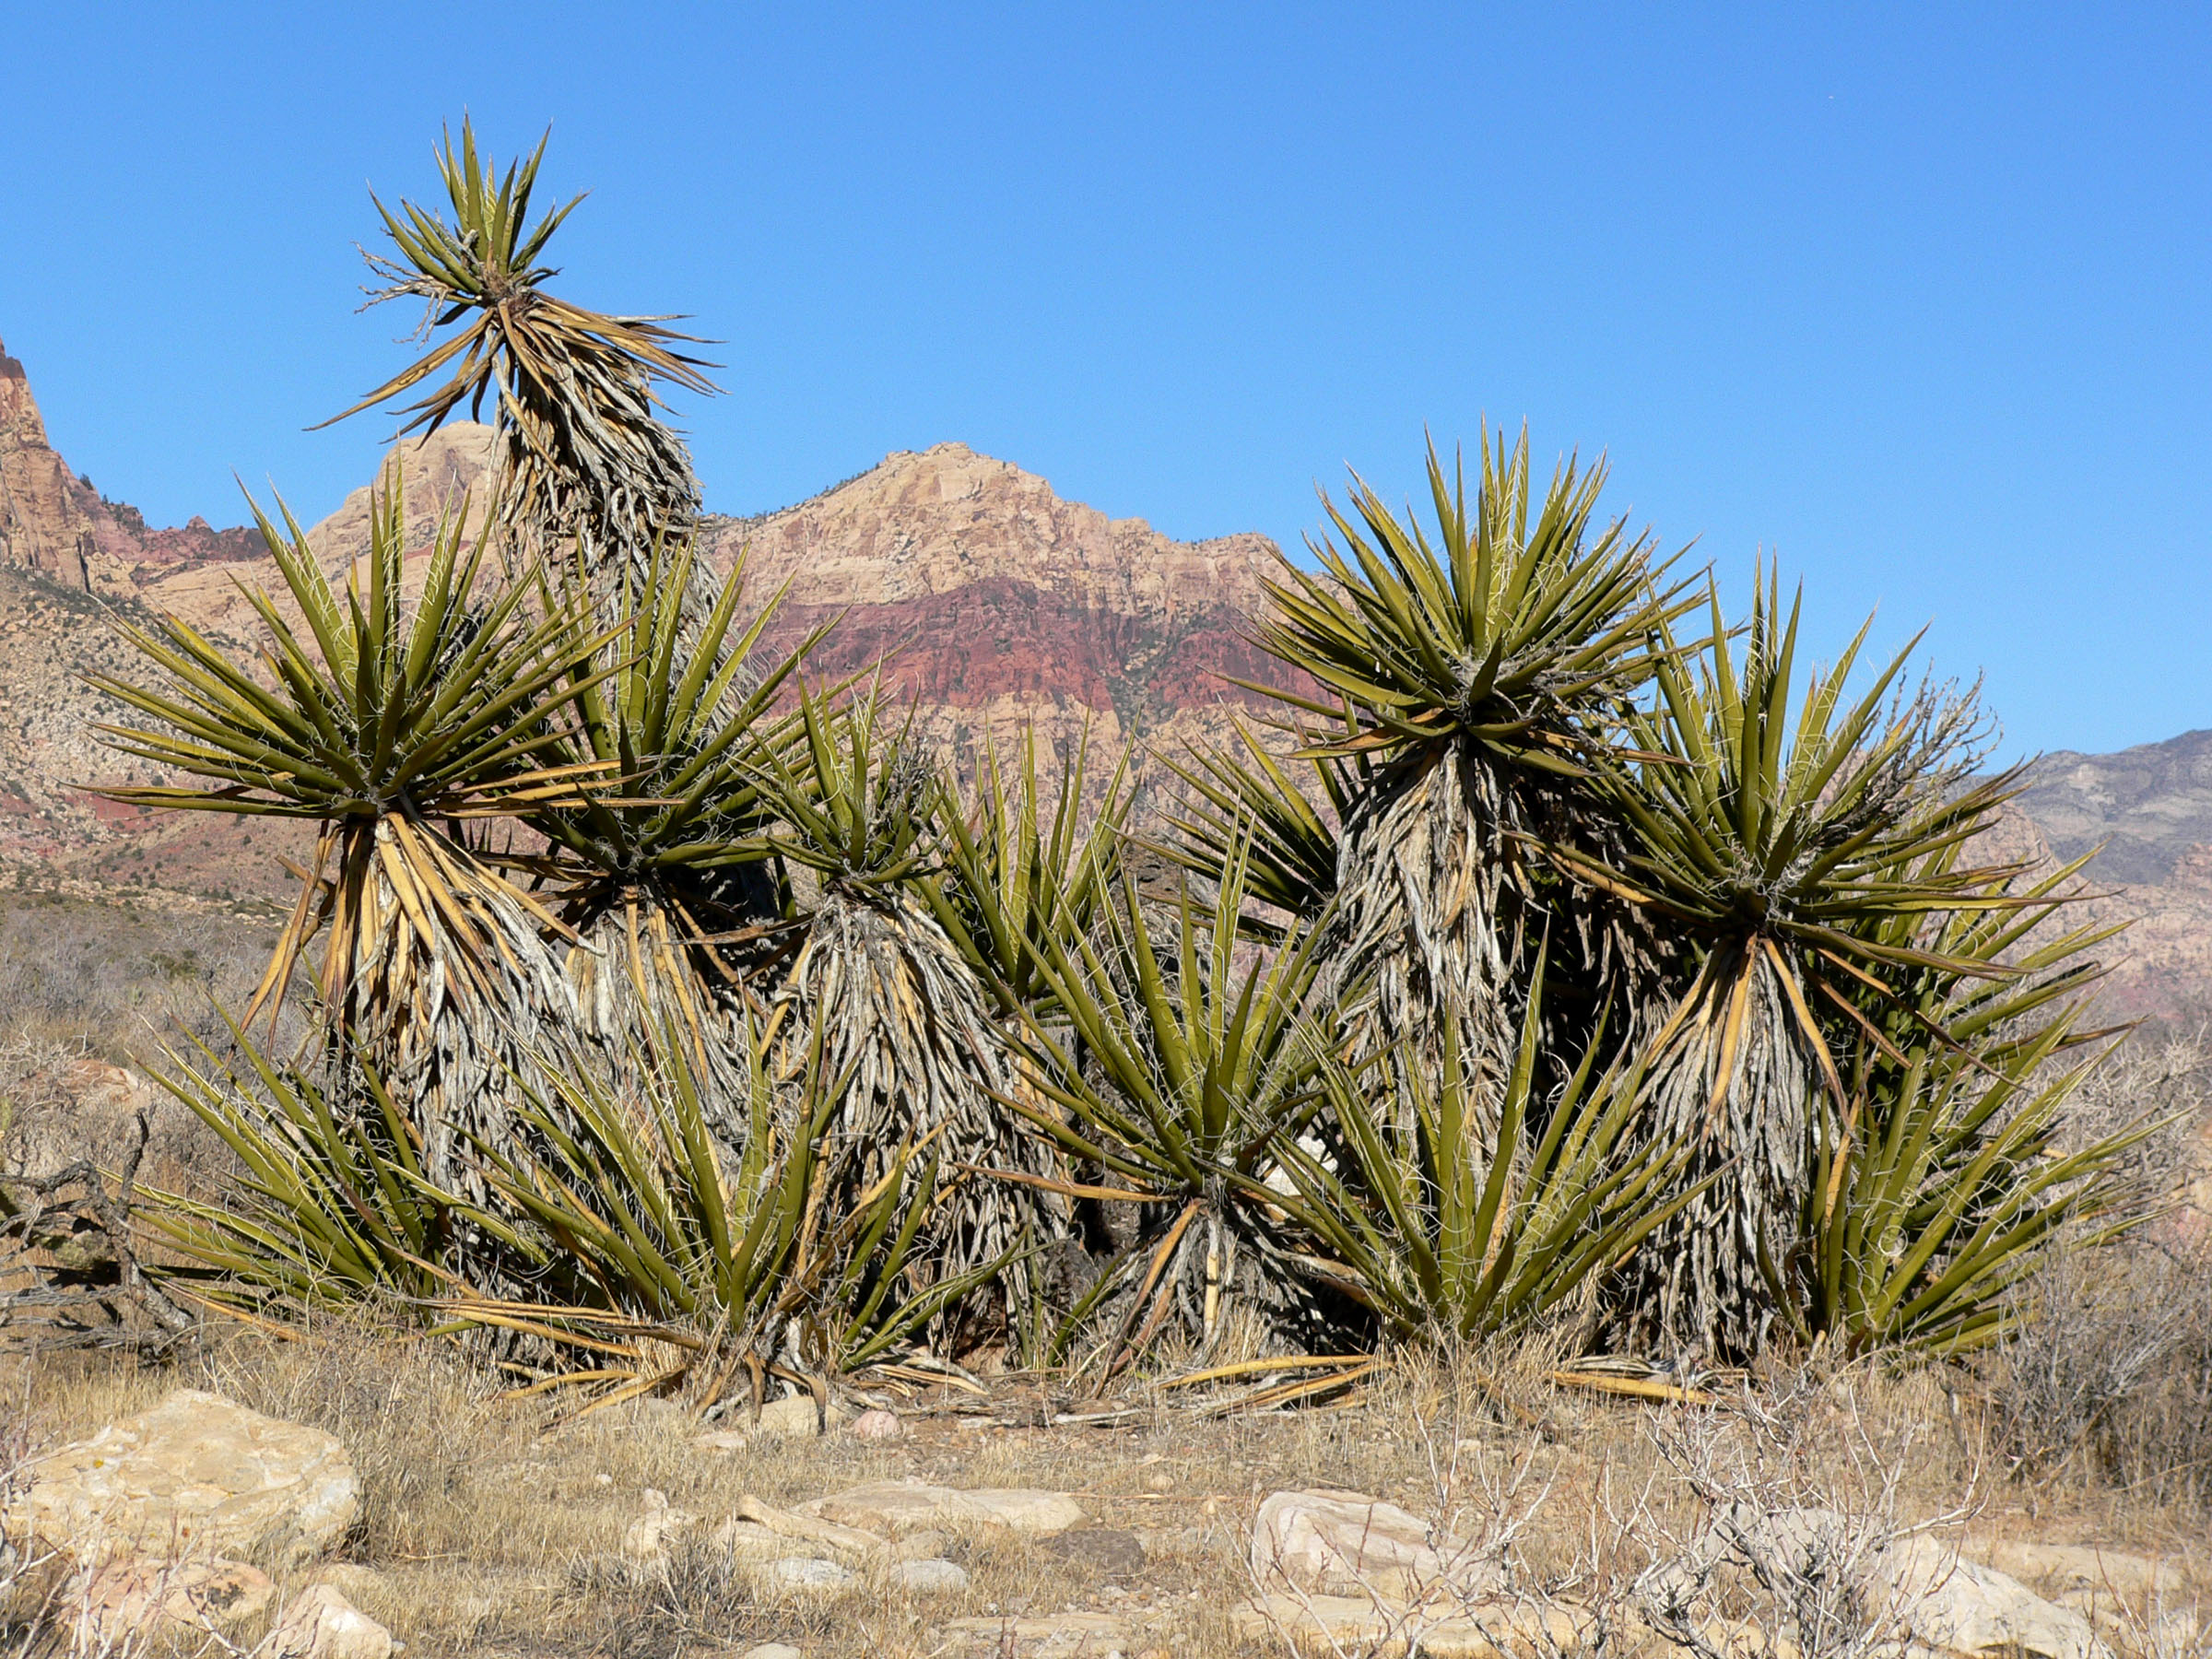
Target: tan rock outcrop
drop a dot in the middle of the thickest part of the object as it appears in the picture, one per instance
(50, 521)
(197, 1475)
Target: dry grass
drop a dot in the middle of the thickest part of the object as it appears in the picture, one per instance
(485, 1530)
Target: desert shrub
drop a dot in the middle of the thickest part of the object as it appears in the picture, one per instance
(2109, 1380)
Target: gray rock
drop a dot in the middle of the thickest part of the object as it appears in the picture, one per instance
(803, 1573)
(890, 1508)
(322, 1624)
(930, 1578)
(773, 1650)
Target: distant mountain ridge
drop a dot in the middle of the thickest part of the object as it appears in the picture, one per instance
(2147, 807)
(997, 602)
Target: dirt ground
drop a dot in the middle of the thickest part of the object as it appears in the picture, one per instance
(490, 1528)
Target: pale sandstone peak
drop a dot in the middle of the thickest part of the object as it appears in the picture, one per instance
(50, 521)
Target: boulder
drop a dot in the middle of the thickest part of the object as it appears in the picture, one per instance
(887, 1508)
(771, 1650)
(809, 1574)
(876, 1426)
(127, 1601)
(1350, 1544)
(929, 1577)
(1962, 1607)
(320, 1623)
(196, 1476)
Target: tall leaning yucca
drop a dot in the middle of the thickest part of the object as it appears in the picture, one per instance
(1484, 669)
(393, 723)
(1800, 854)
(585, 460)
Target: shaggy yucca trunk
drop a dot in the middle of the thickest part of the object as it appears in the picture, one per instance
(642, 981)
(1445, 894)
(1433, 910)
(1731, 1083)
(906, 1028)
(440, 978)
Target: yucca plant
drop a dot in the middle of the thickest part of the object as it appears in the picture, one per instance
(1483, 671)
(1021, 868)
(1286, 813)
(329, 1205)
(1957, 1182)
(902, 1010)
(671, 887)
(1954, 1192)
(1443, 1236)
(1178, 1059)
(584, 461)
(672, 1265)
(1785, 850)
(394, 723)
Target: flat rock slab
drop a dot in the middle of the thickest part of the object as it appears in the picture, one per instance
(1305, 1623)
(1088, 1634)
(887, 1508)
(196, 1476)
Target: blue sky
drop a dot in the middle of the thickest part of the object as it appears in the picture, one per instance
(1915, 297)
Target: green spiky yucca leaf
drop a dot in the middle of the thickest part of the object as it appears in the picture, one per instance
(328, 1206)
(1953, 1179)
(1257, 800)
(584, 457)
(1020, 870)
(856, 799)
(695, 1268)
(1176, 1055)
(382, 718)
(1443, 1236)
(1957, 1190)
(1522, 638)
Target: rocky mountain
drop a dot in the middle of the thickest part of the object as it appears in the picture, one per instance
(991, 600)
